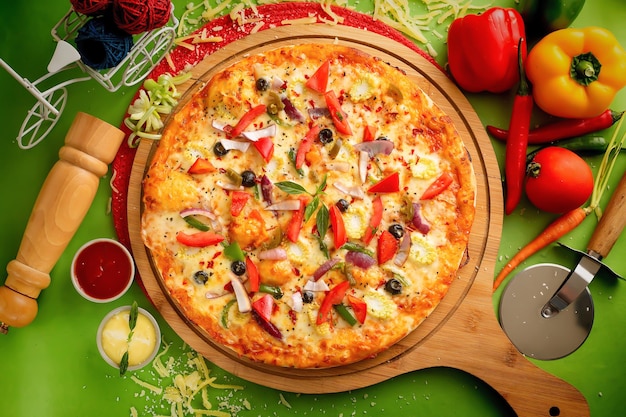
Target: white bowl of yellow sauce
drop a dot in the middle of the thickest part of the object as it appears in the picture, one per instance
(113, 342)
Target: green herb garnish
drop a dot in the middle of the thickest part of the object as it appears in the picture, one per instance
(132, 322)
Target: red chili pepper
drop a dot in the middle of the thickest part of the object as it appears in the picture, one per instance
(238, 200)
(319, 80)
(483, 49)
(245, 121)
(200, 239)
(305, 145)
(377, 216)
(517, 143)
(563, 129)
(334, 296)
(389, 184)
(201, 166)
(438, 186)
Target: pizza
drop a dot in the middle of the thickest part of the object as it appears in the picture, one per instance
(308, 207)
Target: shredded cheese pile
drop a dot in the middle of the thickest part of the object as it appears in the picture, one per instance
(186, 391)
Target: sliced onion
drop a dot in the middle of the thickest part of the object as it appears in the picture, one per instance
(420, 224)
(255, 135)
(375, 147)
(287, 205)
(229, 186)
(317, 112)
(275, 254)
(266, 189)
(296, 302)
(198, 212)
(213, 295)
(230, 144)
(403, 249)
(291, 111)
(353, 191)
(277, 83)
(219, 125)
(364, 159)
(324, 268)
(243, 301)
(340, 166)
(316, 286)
(360, 259)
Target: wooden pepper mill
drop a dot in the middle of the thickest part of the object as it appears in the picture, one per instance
(64, 199)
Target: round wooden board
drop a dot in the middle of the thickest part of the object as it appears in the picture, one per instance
(462, 332)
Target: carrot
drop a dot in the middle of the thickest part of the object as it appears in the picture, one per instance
(554, 231)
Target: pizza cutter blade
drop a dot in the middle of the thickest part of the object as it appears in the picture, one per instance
(546, 310)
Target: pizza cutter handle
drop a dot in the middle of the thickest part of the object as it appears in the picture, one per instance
(611, 223)
(62, 203)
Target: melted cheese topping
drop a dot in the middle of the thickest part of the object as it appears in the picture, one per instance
(371, 93)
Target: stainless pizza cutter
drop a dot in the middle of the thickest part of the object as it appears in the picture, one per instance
(547, 310)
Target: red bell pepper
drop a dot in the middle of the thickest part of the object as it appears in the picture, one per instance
(339, 117)
(377, 216)
(334, 296)
(482, 50)
(201, 166)
(386, 248)
(265, 146)
(319, 80)
(238, 200)
(438, 186)
(339, 229)
(359, 307)
(200, 239)
(389, 184)
(264, 306)
(305, 145)
(253, 275)
(246, 120)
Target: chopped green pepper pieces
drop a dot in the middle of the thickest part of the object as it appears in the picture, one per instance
(224, 318)
(274, 291)
(345, 314)
(196, 224)
(234, 252)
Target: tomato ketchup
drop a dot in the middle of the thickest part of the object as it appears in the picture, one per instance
(102, 270)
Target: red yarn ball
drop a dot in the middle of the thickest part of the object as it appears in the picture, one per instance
(137, 16)
(91, 7)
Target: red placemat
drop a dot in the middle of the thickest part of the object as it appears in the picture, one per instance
(273, 15)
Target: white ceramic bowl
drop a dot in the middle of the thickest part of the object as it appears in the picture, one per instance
(102, 270)
(101, 334)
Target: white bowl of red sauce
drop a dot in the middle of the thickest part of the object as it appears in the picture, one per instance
(102, 270)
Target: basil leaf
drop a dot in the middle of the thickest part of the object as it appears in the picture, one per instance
(310, 208)
(291, 187)
(321, 187)
(323, 246)
(124, 363)
(322, 221)
(132, 318)
(292, 158)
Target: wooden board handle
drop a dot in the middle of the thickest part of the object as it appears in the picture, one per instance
(611, 223)
(62, 203)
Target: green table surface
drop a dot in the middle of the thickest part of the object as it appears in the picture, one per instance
(52, 366)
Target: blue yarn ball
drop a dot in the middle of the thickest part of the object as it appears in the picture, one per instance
(101, 44)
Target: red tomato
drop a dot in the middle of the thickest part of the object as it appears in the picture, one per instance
(305, 145)
(201, 166)
(339, 117)
(265, 146)
(319, 80)
(247, 119)
(295, 224)
(339, 229)
(377, 216)
(389, 184)
(238, 202)
(359, 307)
(334, 296)
(200, 239)
(264, 306)
(253, 275)
(558, 180)
(387, 247)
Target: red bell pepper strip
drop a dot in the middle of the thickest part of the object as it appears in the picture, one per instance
(517, 142)
(369, 133)
(295, 224)
(339, 229)
(200, 239)
(246, 120)
(563, 129)
(359, 307)
(201, 166)
(334, 296)
(319, 80)
(305, 145)
(492, 66)
(238, 200)
(386, 248)
(438, 186)
(264, 306)
(377, 216)
(265, 146)
(339, 117)
(389, 184)
(253, 275)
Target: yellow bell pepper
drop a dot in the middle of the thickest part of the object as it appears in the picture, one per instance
(576, 72)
